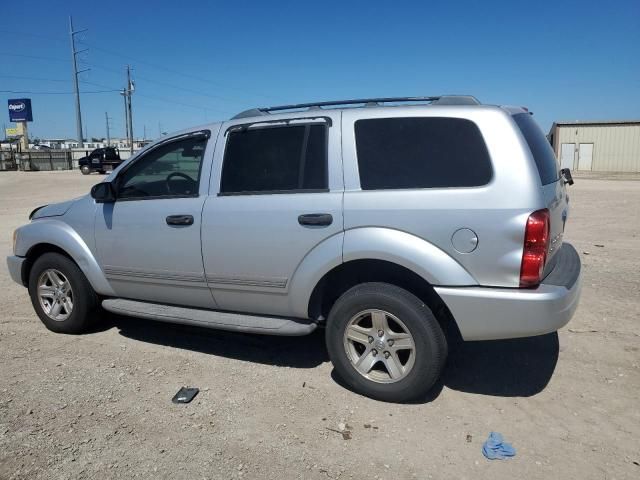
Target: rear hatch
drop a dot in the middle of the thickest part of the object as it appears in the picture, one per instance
(553, 186)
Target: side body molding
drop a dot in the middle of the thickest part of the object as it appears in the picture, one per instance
(60, 234)
(414, 253)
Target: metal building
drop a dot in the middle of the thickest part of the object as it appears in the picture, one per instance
(606, 146)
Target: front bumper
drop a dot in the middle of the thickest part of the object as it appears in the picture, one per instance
(15, 268)
(484, 313)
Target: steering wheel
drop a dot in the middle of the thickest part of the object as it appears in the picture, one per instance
(132, 191)
(181, 175)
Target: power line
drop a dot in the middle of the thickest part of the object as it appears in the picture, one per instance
(112, 90)
(175, 72)
(176, 87)
(99, 85)
(106, 69)
(175, 102)
(55, 93)
(36, 35)
(117, 54)
(162, 99)
(197, 92)
(40, 79)
(35, 57)
(102, 67)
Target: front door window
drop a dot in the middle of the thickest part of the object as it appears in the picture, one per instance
(170, 170)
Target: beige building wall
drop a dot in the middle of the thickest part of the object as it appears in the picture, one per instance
(616, 148)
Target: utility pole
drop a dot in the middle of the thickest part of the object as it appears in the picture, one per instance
(130, 88)
(126, 115)
(76, 89)
(106, 118)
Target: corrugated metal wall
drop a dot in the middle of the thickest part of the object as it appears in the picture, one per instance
(616, 148)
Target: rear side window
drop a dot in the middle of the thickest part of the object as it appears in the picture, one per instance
(428, 152)
(275, 159)
(540, 148)
(110, 154)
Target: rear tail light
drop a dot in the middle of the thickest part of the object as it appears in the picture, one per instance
(536, 246)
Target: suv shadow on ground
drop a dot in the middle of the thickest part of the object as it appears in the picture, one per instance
(296, 352)
(507, 368)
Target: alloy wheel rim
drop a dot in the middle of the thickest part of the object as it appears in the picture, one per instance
(55, 295)
(379, 346)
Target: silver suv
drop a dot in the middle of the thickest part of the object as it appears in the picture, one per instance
(388, 222)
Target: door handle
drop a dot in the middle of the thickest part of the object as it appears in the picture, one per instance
(180, 220)
(316, 219)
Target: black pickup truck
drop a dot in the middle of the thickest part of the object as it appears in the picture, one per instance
(100, 160)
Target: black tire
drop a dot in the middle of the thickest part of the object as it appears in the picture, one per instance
(102, 172)
(85, 301)
(85, 170)
(429, 340)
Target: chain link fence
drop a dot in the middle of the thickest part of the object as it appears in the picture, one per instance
(36, 160)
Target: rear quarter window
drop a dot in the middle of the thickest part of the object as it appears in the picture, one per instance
(540, 147)
(421, 152)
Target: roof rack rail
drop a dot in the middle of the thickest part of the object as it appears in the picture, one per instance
(439, 100)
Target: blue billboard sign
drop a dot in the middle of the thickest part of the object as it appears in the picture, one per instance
(20, 110)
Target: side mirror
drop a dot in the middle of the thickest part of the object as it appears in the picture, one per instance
(566, 175)
(104, 192)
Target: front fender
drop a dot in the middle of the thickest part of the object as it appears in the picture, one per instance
(402, 248)
(55, 232)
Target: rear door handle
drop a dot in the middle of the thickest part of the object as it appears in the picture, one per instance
(180, 220)
(316, 219)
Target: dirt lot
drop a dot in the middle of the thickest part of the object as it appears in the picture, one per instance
(98, 405)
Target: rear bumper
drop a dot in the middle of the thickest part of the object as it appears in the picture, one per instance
(484, 313)
(15, 268)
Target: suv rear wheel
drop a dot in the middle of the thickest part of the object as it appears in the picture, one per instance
(385, 342)
(61, 295)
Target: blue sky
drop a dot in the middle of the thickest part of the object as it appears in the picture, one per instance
(195, 62)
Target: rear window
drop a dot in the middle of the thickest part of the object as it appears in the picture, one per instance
(428, 152)
(275, 159)
(540, 148)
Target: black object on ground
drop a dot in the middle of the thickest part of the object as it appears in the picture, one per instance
(185, 395)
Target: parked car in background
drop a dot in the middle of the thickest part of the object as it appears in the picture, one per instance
(100, 160)
(395, 224)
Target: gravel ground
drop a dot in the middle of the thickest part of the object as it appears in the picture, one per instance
(99, 405)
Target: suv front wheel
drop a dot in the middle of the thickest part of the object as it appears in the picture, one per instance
(61, 295)
(385, 342)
